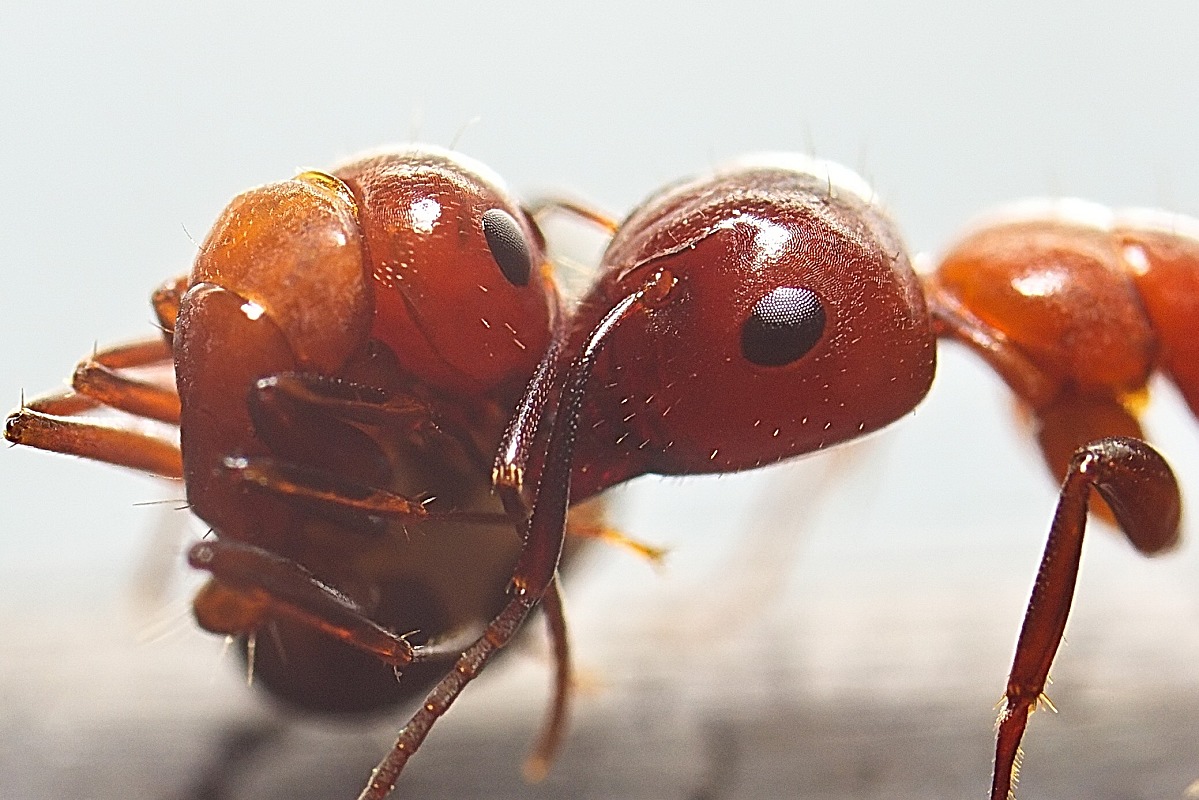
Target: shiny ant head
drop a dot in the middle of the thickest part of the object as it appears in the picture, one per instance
(417, 249)
(794, 322)
(462, 290)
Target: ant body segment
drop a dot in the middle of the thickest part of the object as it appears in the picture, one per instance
(763, 312)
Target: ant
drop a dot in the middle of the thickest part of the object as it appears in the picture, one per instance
(346, 352)
(762, 312)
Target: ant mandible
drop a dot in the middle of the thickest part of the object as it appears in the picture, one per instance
(770, 310)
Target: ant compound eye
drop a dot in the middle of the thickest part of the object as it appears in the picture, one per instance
(508, 247)
(782, 327)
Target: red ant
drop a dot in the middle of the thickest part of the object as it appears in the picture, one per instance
(760, 313)
(346, 350)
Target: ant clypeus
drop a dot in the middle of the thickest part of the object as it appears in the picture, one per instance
(763, 312)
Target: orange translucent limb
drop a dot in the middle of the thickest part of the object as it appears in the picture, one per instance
(1141, 490)
(87, 439)
(101, 377)
(64, 403)
(539, 761)
(655, 555)
(52, 421)
(140, 353)
(115, 390)
(546, 205)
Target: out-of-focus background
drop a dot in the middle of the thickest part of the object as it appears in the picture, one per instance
(836, 628)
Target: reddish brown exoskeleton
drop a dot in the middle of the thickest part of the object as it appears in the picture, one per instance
(346, 353)
(770, 310)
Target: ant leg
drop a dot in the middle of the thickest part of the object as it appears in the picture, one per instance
(587, 522)
(542, 206)
(470, 663)
(1143, 495)
(251, 583)
(318, 487)
(536, 569)
(538, 763)
(49, 423)
(101, 378)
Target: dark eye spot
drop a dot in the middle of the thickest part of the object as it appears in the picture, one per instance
(782, 327)
(508, 246)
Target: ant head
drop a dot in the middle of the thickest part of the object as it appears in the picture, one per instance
(795, 322)
(462, 289)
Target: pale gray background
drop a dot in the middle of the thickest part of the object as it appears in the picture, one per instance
(840, 629)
